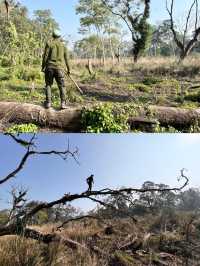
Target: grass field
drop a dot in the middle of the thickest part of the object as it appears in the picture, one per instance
(152, 81)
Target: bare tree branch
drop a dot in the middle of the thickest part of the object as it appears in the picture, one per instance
(184, 45)
(29, 153)
(22, 141)
(79, 218)
(105, 192)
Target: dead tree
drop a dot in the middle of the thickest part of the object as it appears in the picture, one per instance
(18, 220)
(184, 44)
(18, 203)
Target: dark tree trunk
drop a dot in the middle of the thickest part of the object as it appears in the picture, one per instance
(135, 54)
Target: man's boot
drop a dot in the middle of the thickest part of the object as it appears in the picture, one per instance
(63, 105)
(63, 98)
(47, 103)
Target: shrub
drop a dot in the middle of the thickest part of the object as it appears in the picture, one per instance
(139, 86)
(23, 128)
(142, 87)
(29, 74)
(194, 97)
(101, 119)
(5, 62)
(4, 75)
(150, 81)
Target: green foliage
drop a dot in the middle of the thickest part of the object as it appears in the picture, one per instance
(195, 127)
(73, 97)
(141, 87)
(194, 97)
(23, 128)
(29, 74)
(101, 119)
(5, 61)
(151, 81)
(4, 75)
(171, 84)
(22, 38)
(160, 129)
(25, 73)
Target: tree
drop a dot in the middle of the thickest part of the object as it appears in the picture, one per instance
(22, 38)
(88, 47)
(95, 16)
(162, 40)
(189, 37)
(136, 20)
(154, 201)
(189, 200)
(44, 24)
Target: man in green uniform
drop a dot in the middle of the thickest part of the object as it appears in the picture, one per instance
(55, 60)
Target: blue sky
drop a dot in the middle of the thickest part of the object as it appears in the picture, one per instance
(64, 12)
(115, 160)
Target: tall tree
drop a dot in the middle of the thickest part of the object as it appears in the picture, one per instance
(135, 14)
(94, 15)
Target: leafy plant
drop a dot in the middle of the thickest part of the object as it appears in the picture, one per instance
(160, 129)
(23, 128)
(194, 97)
(140, 87)
(150, 81)
(102, 119)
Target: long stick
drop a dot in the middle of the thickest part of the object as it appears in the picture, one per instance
(79, 89)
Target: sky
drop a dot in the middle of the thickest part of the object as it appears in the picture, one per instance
(115, 160)
(64, 12)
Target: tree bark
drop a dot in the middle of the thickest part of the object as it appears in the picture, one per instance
(69, 120)
(179, 118)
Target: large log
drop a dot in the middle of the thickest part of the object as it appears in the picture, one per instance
(69, 120)
(179, 118)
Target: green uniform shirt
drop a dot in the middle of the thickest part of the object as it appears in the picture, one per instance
(55, 55)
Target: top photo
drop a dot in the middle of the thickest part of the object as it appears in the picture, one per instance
(100, 66)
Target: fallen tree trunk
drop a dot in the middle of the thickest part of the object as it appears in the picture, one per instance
(69, 120)
(178, 118)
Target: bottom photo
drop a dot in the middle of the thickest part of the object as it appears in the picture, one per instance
(98, 200)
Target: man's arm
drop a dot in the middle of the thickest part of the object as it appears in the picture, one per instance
(45, 57)
(66, 56)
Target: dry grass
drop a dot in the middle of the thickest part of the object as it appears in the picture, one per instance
(19, 252)
(148, 65)
(22, 252)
